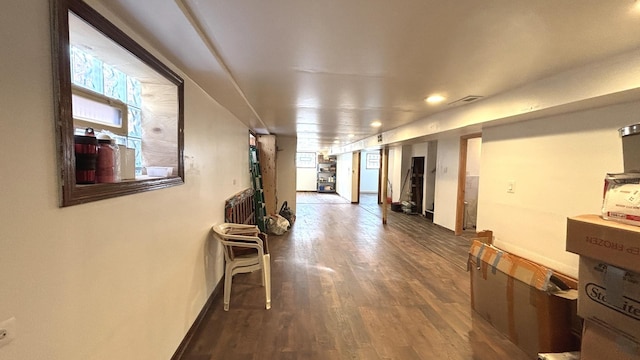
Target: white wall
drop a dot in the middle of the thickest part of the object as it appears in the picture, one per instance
(344, 175)
(395, 171)
(474, 149)
(420, 149)
(404, 166)
(121, 278)
(559, 164)
(307, 179)
(472, 180)
(287, 172)
(446, 191)
(368, 177)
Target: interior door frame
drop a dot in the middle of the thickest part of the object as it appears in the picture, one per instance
(355, 177)
(380, 179)
(462, 178)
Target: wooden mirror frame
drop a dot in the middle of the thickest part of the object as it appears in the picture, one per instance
(72, 194)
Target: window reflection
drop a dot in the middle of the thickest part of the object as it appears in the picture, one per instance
(127, 95)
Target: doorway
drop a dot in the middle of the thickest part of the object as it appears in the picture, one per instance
(417, 182)
(468, 179)
(370, 173)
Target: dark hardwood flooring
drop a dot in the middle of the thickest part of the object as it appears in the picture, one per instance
(344, 286)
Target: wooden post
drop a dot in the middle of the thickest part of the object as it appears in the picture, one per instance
(385, 176)
(267, 154)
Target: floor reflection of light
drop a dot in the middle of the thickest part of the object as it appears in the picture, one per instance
(308, 266)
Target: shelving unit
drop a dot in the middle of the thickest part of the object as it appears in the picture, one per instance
(326, 174)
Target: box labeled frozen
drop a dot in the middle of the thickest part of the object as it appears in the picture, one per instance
(608, 241)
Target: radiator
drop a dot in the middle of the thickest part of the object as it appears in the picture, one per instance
(239, 209)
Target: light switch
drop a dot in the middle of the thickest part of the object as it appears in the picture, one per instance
(511, 187)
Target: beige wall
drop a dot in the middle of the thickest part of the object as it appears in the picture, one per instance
(121, 278)
(344, 176)
(446, 190)
(395, 174)
(307, 179)
(124, 278)
(286, 165)
(558, 164)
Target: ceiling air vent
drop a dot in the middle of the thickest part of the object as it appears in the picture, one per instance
(465, 100)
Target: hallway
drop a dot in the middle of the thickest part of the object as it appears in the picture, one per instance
(346, 287)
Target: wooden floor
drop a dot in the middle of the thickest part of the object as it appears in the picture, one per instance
(346, 287)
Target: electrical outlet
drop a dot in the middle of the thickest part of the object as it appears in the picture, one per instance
(7, 331)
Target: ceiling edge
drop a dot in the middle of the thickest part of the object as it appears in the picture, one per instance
(186, 10)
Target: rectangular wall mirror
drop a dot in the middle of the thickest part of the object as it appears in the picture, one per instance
(119, 110)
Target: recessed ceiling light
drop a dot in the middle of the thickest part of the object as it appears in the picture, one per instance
(336, 141)
(434, 99)
(376, 123)
(351, 136)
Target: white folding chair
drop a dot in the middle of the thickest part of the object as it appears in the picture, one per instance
(244, 252)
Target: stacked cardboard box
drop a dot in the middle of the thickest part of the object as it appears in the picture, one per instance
(609, 286)
(599, 343)
(519, 298)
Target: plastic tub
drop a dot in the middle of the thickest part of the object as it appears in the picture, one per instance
(631, 147)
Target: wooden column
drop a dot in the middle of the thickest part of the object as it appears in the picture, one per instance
(385, 176)
(462, 178)
(267, 155)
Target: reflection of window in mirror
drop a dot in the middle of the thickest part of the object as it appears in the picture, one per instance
(131, 101)
(373, 161)
(306, 160)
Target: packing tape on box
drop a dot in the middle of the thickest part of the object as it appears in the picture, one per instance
(494, 266)
(479, 256)
(627, 346)
(613, 281)
(547, 280)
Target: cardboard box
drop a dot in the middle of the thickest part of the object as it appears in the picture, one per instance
(605, 240)
(519, 299)
(610, 297)
(600, 344)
